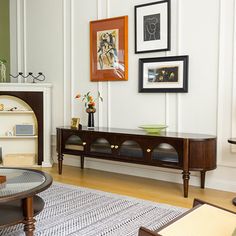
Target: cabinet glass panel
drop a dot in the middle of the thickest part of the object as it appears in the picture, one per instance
(165, 152)
(130, 148)
(74, 142)
(101, 145)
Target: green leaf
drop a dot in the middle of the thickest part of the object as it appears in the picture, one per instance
(3, 61)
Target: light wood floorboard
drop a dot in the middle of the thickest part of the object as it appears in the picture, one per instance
(144, 188)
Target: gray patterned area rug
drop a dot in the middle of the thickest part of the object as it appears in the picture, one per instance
(72, 210)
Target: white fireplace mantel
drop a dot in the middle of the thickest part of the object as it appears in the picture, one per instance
(24, 86)
(45, 88)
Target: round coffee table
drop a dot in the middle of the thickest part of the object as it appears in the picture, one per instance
(18, 200)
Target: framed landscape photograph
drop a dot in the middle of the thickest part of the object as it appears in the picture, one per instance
(163, 74)
(152, 27)
(109, 49)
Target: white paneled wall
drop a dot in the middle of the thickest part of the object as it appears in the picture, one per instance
(53, 37)
(37, 45)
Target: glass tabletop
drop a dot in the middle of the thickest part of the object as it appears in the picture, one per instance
(19, 180)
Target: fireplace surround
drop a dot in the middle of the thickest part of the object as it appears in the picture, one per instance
(38, 97)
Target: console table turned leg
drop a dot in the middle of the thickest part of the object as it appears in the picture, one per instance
(186, 177)
(186, 173)
(203, 175)
(82, 161)
(234, 201)
(28, 214)
(60, 161)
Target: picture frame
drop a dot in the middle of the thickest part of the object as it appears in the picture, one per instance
(163, 74)
(75, 123)
(152, 27)
(109, 49)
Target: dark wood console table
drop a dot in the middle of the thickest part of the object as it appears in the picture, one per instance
(186, 152)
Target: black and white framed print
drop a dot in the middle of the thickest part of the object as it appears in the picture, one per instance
(152, 27)
(163, 74)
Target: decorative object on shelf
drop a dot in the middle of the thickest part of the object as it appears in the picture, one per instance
(19, 159)
(89, 103)
(2, 179)
(9, 133)
(40, 77)
(152, 27)
(153, 129)
(1, 107)
(12, 109)
(109, 49)
(163, 74)
(3, 78)
(24, 130)
(75, 123)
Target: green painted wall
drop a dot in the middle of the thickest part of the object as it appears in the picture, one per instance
(5, 33)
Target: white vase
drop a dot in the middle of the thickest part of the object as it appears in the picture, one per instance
(3, 77)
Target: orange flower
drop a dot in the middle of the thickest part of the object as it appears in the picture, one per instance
(92, 104)
(89, 101)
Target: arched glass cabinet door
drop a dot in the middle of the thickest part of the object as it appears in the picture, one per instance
(166, 153)
(101, 145)
(130, 148)
(74, 142)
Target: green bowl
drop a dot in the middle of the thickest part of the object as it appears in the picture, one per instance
(153, 129)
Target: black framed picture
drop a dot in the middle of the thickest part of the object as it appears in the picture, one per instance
(163, 74)
(152, 27)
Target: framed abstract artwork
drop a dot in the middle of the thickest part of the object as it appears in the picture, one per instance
(163, 74)
(109, 49)
(152, 27)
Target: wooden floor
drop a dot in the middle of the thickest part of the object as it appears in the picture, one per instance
(149, 189)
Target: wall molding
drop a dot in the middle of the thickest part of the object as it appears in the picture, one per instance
(64, 60)
(167, 104)
(224, 150)
(220, 84)
(67, 29)
(21, 38)
(108, 83)
(172, 101)
(24, 13)
(18, 36)
(178, 50)
(101, 14)
(233, 105)
(72, 45)
(99, 85)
